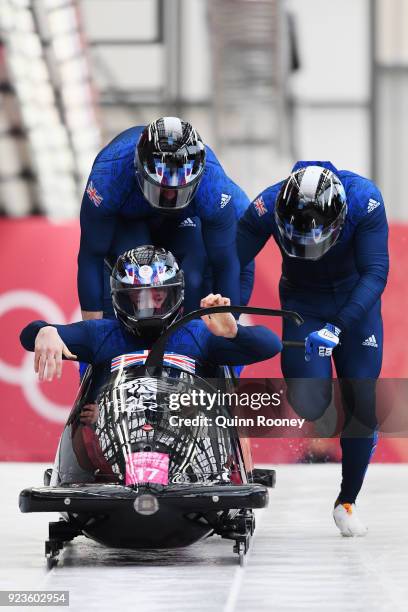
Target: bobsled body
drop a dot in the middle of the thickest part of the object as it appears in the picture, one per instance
(135, 479)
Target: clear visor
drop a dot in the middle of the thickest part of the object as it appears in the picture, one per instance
(149, 302)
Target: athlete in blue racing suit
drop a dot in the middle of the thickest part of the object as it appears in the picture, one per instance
(148, 186)
(333, 275)
(147, 288)
(103, 339)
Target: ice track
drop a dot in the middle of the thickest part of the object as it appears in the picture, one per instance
(297, 561)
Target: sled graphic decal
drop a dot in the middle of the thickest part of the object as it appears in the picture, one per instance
(147, 467)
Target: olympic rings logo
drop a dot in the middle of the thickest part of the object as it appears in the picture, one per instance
(24, 375)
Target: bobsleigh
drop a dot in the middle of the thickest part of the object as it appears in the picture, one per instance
(136, 479)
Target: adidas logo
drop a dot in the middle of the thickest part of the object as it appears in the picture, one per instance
(371, 341)
(372, 205)
(187, 223)
(225, 198)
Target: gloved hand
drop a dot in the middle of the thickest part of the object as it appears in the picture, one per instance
(322, 342)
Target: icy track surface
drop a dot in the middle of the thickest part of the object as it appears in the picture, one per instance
(298, 561)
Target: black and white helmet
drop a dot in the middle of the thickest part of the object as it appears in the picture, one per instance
(147, 290)
(169, 162)
(310, 212)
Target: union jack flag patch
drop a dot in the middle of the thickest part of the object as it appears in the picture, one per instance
(93, 195)
(260, 206)
(139, 358)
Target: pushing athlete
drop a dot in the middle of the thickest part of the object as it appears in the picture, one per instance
(160, 184)
(331, 228)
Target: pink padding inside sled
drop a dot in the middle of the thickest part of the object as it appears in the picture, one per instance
(147, 467)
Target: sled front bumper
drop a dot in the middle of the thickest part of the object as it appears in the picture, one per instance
(103, 498)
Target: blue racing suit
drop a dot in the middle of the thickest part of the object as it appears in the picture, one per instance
(247, 276)
(100, 340)
(344, 288)
(116, 217)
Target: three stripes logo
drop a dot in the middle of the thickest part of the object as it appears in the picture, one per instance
(225, 198)
(372, 205)
(188, 223)
(371, 341)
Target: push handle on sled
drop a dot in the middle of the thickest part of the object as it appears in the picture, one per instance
(155, 358)
(294, 344)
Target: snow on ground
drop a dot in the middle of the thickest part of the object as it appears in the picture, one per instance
(298, 561)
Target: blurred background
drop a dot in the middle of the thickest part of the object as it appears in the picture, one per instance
(265, 82)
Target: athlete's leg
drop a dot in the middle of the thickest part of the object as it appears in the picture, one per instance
(309, 382)
(358, 362)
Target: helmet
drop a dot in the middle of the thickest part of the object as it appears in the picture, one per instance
(169, 162)
(310, 212)
(147, 290)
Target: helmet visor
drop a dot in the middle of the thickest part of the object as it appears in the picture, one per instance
(308, 245)
(149, 302)
(170, 198)
(169, 180)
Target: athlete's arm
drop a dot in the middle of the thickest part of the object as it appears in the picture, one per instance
(110, 183)
(247, 279)
(233, 344)
(97, 230)
(254, 228)
(52, 343)
(219, 226)
(371, 253)
(219, 236)
(241, 202)
(221, 324)
(251, 344)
